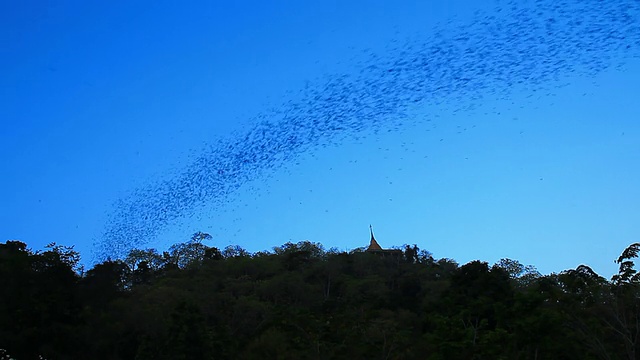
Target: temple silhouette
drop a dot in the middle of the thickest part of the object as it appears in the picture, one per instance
(375, 248)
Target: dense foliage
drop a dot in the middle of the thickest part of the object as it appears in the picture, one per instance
(301, 301)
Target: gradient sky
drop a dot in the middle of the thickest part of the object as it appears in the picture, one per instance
(105, 108)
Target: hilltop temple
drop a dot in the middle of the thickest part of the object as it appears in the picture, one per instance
(375, 248)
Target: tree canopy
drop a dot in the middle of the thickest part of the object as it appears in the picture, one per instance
(301, 301)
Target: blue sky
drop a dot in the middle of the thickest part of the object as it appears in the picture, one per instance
(122, 123)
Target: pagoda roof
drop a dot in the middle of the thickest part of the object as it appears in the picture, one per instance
(373, 244)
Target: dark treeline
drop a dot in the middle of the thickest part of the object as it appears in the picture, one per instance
(301, 301)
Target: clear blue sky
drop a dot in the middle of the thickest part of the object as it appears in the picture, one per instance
(477, 131)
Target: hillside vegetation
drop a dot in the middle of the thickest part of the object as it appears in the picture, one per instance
(301, 301)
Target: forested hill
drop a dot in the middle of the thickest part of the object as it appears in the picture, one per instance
(301, 301)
